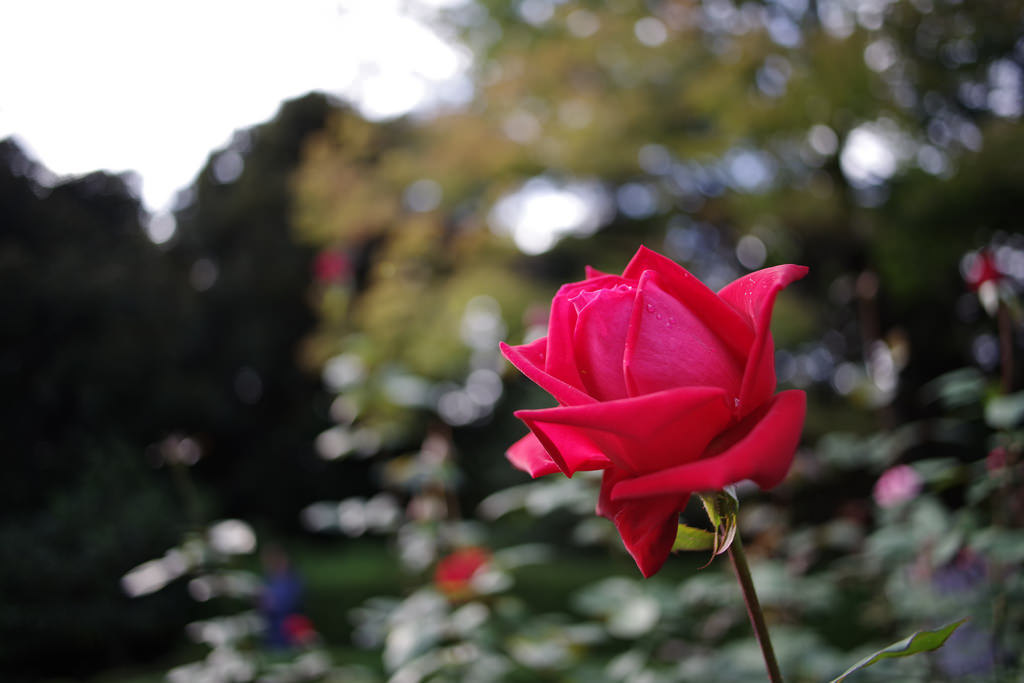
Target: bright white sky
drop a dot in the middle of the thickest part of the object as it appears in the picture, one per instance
(154, 86)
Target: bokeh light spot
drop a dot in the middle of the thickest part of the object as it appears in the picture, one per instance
(751, 252)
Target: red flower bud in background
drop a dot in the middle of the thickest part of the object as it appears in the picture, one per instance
(453, 575)
(666, 386)
(299, 630)
(982, 268)
(331, 266)
(983, 276)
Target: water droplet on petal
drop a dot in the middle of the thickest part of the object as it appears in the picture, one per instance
(658, 316)
(650, 308)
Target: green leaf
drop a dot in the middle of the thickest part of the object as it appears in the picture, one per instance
(922, 641)
(689, 538)
(1005, 412)
(957, 388)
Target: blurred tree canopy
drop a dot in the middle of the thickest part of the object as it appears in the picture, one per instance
(244, 394)
(859, 138)
(87, 342)
(113, 347)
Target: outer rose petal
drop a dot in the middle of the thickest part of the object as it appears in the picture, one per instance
(571, 449)
(529, 455)
(647, 527)
(668, 346)
(559, 357)
(754, 296)
(730, 325)
(760, 448)
(599, 340)
(640, 434)
(529, 359)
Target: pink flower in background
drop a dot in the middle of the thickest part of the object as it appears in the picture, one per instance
(996, 459)
(897, 485)
(664, 385)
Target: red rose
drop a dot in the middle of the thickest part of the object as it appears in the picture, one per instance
(664, 385)
(298, 629)
(454, 573)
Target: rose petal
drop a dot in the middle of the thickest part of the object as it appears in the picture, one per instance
(529, 359)
(593, 284)
(560, 358)
(571, 449)
(648, 528)
(754, 296)
(668, 346)
(640, 434)
(594, 273)
(760, 448)
(731, 326)
(759, 377)
(599, 340)
(529, 455)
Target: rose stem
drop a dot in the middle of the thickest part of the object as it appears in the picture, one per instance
(739, 563)
(1005, 346)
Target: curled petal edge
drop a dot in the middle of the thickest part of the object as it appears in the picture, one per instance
(603, 427)
(562, 391)
(528, 455)
(754, 296)
(760, 448)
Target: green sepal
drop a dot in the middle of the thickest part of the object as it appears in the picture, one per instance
(921, 641)
(722, 508)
